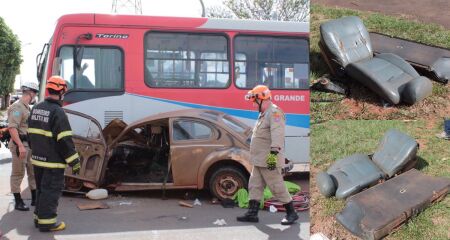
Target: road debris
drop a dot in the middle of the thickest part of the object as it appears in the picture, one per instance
(197, 202)
(273, 209)
(185, 204)
(92, 205)
(220, 222)
(125, 203)
(97, 194)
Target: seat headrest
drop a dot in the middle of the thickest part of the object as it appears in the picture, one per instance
(394, 151)
(156, 129)
(347, 39)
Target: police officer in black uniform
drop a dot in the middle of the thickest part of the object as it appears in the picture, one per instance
(50, 138)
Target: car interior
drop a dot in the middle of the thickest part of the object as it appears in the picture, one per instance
(142, 155)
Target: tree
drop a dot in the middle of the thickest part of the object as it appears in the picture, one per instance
(10, 60)
(279, 10)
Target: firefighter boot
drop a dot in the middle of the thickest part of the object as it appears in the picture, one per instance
(57, 227)
(33, 197)
(291, 215)
(20, 205)
(252, 214)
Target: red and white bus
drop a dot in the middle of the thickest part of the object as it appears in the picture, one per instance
(129, 67)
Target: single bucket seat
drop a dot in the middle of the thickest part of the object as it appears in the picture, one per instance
(346, 47)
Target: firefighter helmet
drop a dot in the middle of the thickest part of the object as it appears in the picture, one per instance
(57, 83)
(261, 92)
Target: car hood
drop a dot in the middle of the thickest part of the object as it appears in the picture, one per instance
(113, 129)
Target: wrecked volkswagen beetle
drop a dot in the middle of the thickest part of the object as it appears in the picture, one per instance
(185, 149)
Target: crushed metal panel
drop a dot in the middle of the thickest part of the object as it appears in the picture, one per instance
(376, 212)
(432, 61)
(113, 129)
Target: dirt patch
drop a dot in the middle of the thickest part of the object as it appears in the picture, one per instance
(422, 143)
(431, 11)
(438, 221)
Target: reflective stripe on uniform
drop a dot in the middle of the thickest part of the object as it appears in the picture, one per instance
(40, 132)
(48, 164)
(47, 221)
(71, 158)
(63, 134)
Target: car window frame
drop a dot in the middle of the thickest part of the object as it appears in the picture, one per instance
(201, 121)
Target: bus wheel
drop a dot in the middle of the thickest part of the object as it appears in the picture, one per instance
(226, 181)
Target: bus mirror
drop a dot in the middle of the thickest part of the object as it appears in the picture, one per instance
(41, 60)
(39, 71)
(80, 49)
(79, 57)
(56, 69)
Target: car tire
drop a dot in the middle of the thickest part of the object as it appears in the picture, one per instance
(226, 181)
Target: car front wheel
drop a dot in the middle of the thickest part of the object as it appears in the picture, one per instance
(226, 181)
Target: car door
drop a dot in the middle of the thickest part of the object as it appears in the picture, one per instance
(90, 145)
(191, 142)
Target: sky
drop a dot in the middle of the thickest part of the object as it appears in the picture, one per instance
(33, 21)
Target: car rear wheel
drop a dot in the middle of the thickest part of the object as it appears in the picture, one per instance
(226, 181)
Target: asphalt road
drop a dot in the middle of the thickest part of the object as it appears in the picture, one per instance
(144, 216)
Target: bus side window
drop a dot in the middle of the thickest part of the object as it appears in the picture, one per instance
(240, 70)
(278, 62)
(186, 60)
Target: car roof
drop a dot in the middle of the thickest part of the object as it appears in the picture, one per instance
(195, 113)
(204, 114)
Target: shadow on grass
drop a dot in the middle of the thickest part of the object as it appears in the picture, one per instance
(421, 163)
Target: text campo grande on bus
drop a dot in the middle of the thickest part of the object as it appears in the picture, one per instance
(289, 98)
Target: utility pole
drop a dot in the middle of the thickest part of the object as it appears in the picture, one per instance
(127, 6)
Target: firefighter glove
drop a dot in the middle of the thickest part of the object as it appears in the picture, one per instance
(272, 160)
(76, 167)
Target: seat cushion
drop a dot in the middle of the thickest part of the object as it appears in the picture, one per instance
(346, 39)
(386, 74)
(374, 213)
(354, 173)
(394, 152)
(442, 68)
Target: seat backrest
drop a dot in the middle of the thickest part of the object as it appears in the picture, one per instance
(394, 152)
(347, 39)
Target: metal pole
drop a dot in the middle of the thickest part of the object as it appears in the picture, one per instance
(203, 8)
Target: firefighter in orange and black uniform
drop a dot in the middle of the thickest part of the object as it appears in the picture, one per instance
(50, 138)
